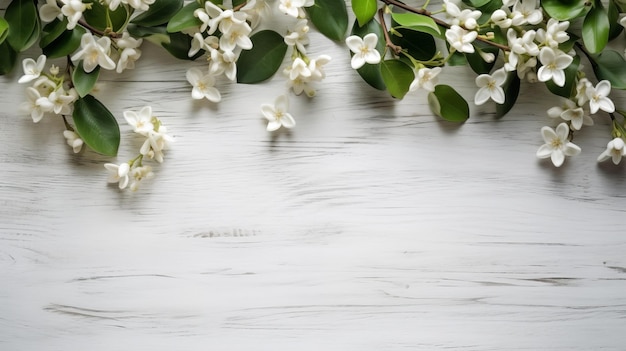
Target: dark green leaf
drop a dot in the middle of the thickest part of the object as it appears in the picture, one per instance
(145, 32)
(96, 125)
(23, 22)
(263, 60)
(570, 80)
(457, 59)
(8, 58)
(487, 8)
(65, 44)
(417, 22)
(371, 73)
(330, 17)
(596, 29)
(364, 10)
(4, 29)
(397, 76)
(158, 13)
(83, 81)
(99, 15)
(446, 103)
(52, 31)
(616, 28)
(475, 3)
(610, 65)
(238, 3)
(477, 63)
(511, 91)
(184, 18)
(178, 46)
(421, 46)
(563, 10)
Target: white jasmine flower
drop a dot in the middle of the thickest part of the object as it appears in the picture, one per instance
(36, 105)
(203, 85)
(224, 62)
(299, 68)
(44, 86)
(529, 11)
(32, 69)
(364, 50)
(49, 11)
(155, 143)
(466, 18)
(316, 67)
(501, 19)
(460, 39)
(557, 144)
(138, 174)
(255, 11)
(622, 21)
(73, 140)
(426, 78)
(142, 121)
(554, 34)
(61, 101)
(298, 35)
(130, 52)
(118, 173)
(581, 91)
(73, 10)
(113, 4)
(277, 114)
(291, 7)
(554, 62)
(569, 111)
(487, 56)
(237, 36)
(142, 5)
(490, 87)
(222, 19)
(94, 52)
(599, 97)
(614, 150)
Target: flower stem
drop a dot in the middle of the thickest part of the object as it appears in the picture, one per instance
(393, 47)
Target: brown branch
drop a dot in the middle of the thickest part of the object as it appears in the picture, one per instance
(393, 47)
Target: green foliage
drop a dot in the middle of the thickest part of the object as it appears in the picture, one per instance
(4, 29)
(596, 29)
(330, 17)
(417, 22)
(8, 58)
(563, 10)
(64, 44)
(96, 125)
(364, 10)
(263, 60)
(421, 46)
(616, 28)
(446, 103)
(158, 13)
(477, 63)
(568, 89)
(397, 76)
(511, 91)
(83, 81)
(371, 73)
(184, 18)
(101, 17)
(178, 45)
(52, 31)
(23, 24)
(610, 65)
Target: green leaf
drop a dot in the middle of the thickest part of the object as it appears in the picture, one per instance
(371, 73)
(330, 17)
(616, 28)
(457, 59)
(99, 16)
(96, 125)
(563, 10)
(596, 29)
(158, 13)
(83, 81)
(65, 44)
(421, 46)
(23, 23)
(145, 32)
(364, 10)
(567, 90)
(8, 58)
(610, 65)
(263, 60)
(238, 3)
(477, 63)
(4, 29)
(446, 103)
(52, 31)
(511, 91)
(487, 8)
(178, 45)
(475, 3)
(184, 18)
(397, 76)
(417, 22)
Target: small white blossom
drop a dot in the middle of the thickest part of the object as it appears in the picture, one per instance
(291, 7)
(94, 52)
(156, 142)
(316, 66)
(277, 114)
(490, 87)
(138, 174)
(364, 50)
(224, 62)
(118, 174)
(203, 85)
(465, 18)
(615, 150)
(461, 39)
(599, 97)
(32, 69)
(554, 34)
(130, 52)
(529, 11)
(36, 105)
(61, 101)
(49, 11)
(501, 19)
(141, 122)
(557, 144)
(298, 35)
(426, 78)
(142, 5)
(237, 36)
(569, 111)
(73, 140)
(554, 62)
(73, 10)
(256, 10)
(299, 68)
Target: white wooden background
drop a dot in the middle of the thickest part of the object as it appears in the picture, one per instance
(371, 226)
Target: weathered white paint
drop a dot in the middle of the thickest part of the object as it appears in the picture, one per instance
(371, 226)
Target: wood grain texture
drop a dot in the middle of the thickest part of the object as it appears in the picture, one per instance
(370, 226)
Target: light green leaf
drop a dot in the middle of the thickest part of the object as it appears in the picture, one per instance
(83, 81)
(397, 76)
(263, 60)
(8, 58)
(371, 73)
(596, 29)
(158, 13)
(330, 17)
(610, 65)
(567, 90)
(184, 18)
(65, 44)
(4, 29)
(417, 22)
(563, 10)
(364, 10)
(23, 23)
(96, 125)
(511, 92)
(100, 15)
(446, 103)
